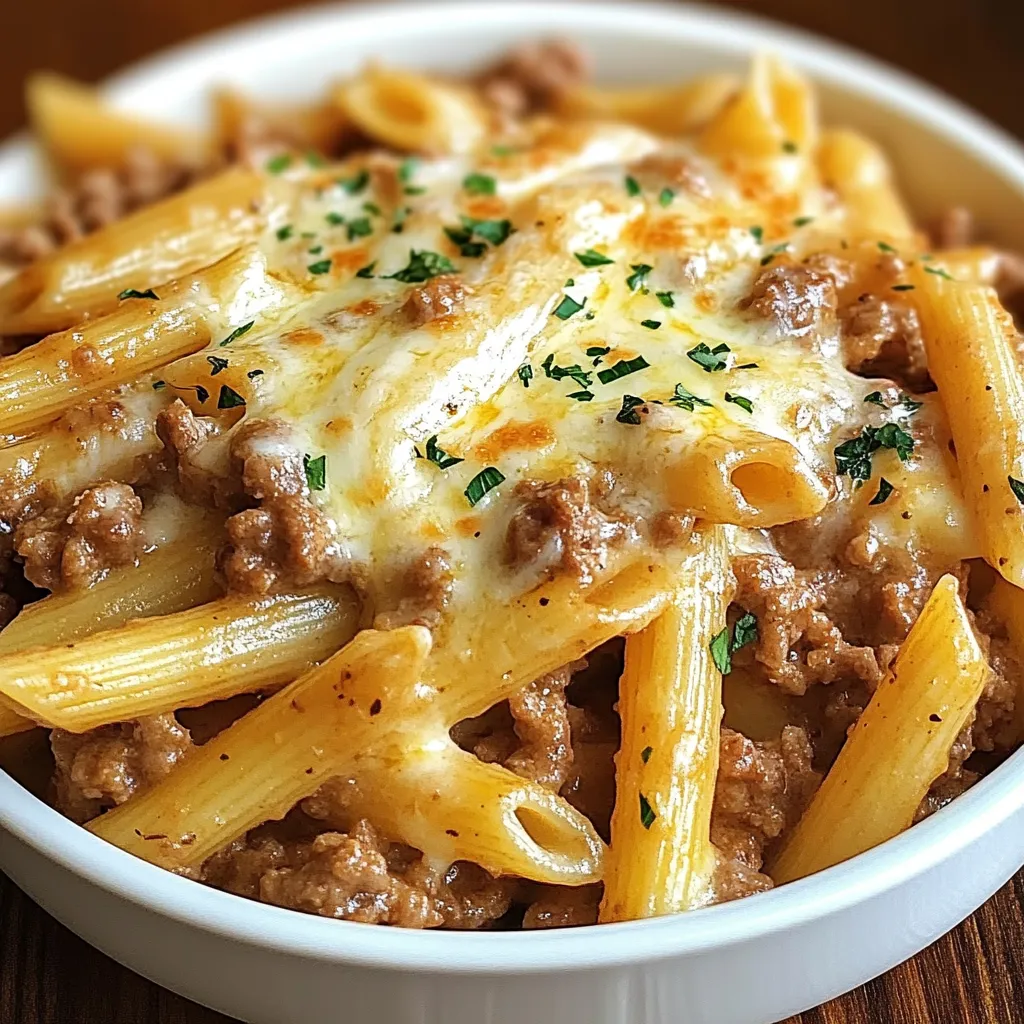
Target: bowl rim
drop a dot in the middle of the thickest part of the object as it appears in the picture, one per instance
(940, 837)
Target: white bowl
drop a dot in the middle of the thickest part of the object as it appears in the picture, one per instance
(749, 962)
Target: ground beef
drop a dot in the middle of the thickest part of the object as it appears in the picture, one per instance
(440, 297)
(184, 436)
(65, 549)
(286, 542)
(798, 299)
(882, 338)
(995, 722)
(98, 198)
(798, 644)
(104, 767)
(420, 594)
(358, 876)
(533, 76)
(559, 906)
(559, 527)
(954, 780)
(762, 789)
(270, 465)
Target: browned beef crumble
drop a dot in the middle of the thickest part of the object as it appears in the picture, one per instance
(533, 77)
(440, 297)
(881, 337)
(421, 592)
(75, 548)
(798, 299)
(104, 767)
(563, 907)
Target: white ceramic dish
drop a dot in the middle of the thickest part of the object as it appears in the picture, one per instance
(744, 963)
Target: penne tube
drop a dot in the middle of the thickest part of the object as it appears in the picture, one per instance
(11, 721)
(670, 704)
(319, 126)
(898, 746)
(861, 174)
(63, 370)
(383, 694)
(80, 130)
(971, 343)
(156, 244)
(151, 666)
(453, 806)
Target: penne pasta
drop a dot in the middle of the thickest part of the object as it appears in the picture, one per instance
(899, 745)
(154, 665)
(971, 342)
(670, 704)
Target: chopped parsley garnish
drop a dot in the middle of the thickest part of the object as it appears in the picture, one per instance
(277, 164)
(687, 400)
(575, 372)
(789, 147)
(217, 363)
(314, 159)
(316, 472)
(159, 385)
(423, 265)
(316, 250)
(372, 208)
(745, 631)
(486, 480)
(320, 267)
(366, 271)
(908, 403)
(1017, 486)
(570, 282)
(781, 247)
(398, 225)
(632, 186)
(597, 351)
(902, 287)
(666, 196)
(623, 368)
(758, 232)
(744, 403)
(639, 275)
(414, 190)
(884, 490)
(582, 396)
(284, 232)
(407, 168)
(645, 754)
(438, 455)
(853, 457)
(252, 374)
(723, 647)
(359, 228)
(354, 185)
(886, 247)
(334, 218)
(568, 307)
(237, 333)
(939, 272)
(629, 412)
(709, 359)
(666, 299)
(651, 325)
(647, 815)
(525, 374)
(134, 293)
(229, 398)
(875, 398)
(493, 231)
(802, 222)
(477, 184)
(201, 393)
(593, 258)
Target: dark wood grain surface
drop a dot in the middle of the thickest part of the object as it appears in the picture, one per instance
(971, 48)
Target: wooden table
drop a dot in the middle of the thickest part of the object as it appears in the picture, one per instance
(975, 975)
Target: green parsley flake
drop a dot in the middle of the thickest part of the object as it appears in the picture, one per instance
(568, 307)
(486, 480)
(314, 159)
(902, 287)
(359, 228)
(632, 186)
(630, 411)
(439, 456)
(201, 393)
(593, 258)
(237, 333)
(639, 275)
(622, 368)
(758, 232)
(781, 247)
(789, 147)
(939, 272)
(582, 396)
(134, 293)
(229, 398)
(651, 325)
(398, 226)
(279, 163)
(853, 457)
(720, 651)
(666, 299)
(525, 374)
(284, 232)
(1017, 486)
(802, 222)
(645, 754)
(687, 400)
(407, 168)
(666, 196)
(584, 378)
(647, 815)
(423, 265)
(253, 374)
(886, 247)
(494, 231)
(334, 218)
(744, 403)
(884, 490)
(316, 472)
(372, 208)
(723, 648)
(320, 267)
(709, 359)
(217, 363)
(316, 250)
(354, 185)
(414, 190)
(744, 632)
(477, 184)
(159, 385)
(596, 351)
(367, 271)
(875, 398)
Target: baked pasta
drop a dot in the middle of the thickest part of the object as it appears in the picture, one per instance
(503, 502)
